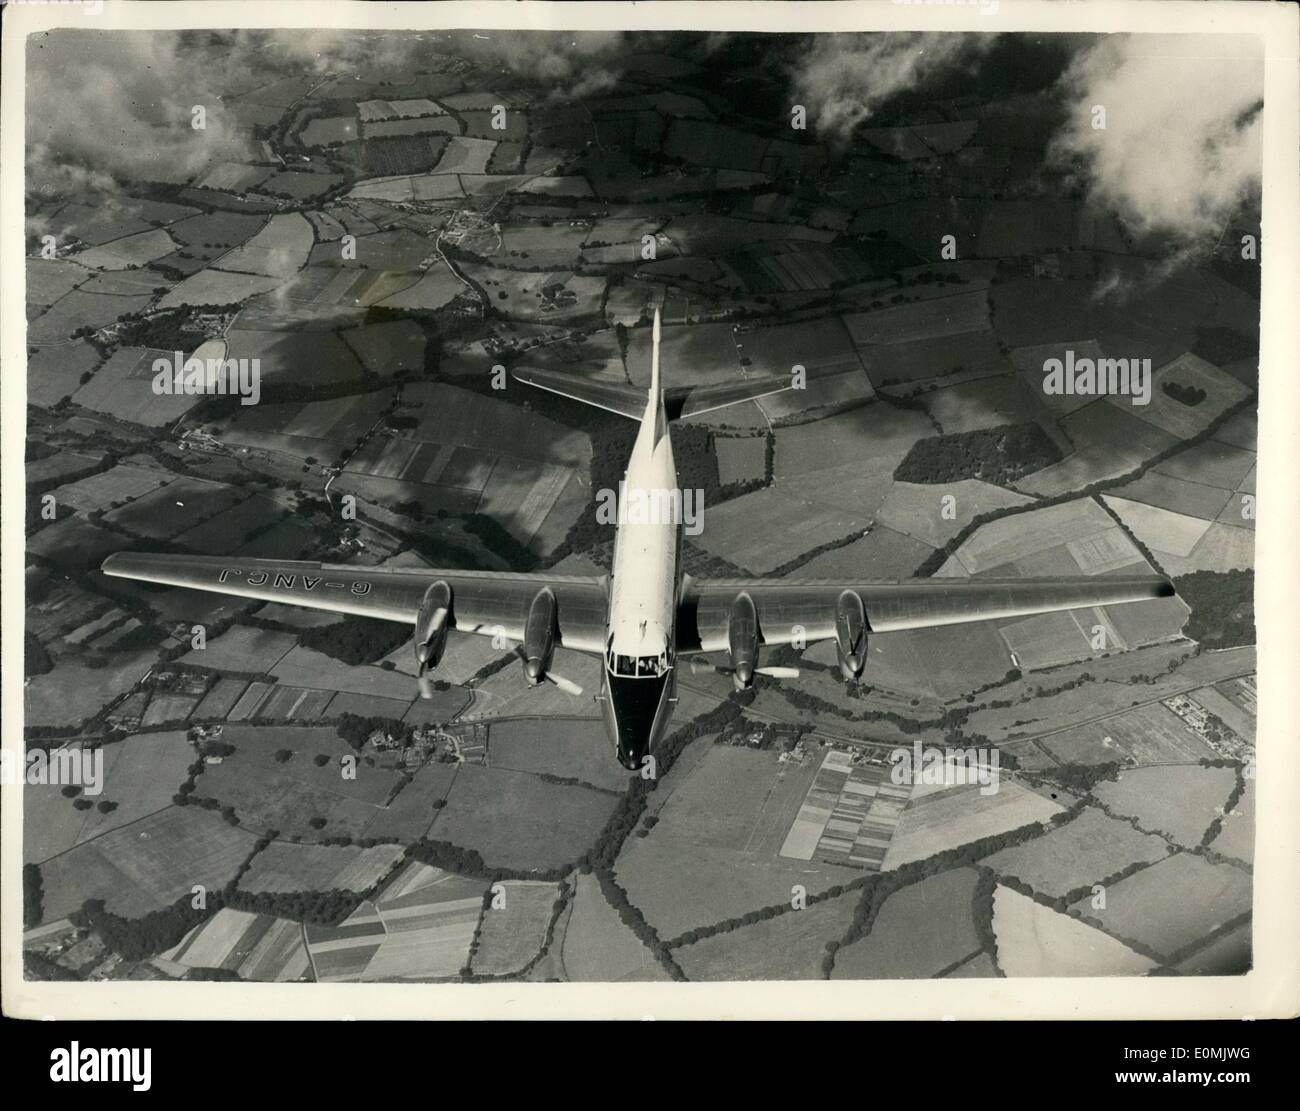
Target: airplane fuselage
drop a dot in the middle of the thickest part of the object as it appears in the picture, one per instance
(638, 678)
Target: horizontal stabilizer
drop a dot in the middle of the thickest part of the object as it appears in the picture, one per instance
(626, 401)
(630, 401)
(690, 401)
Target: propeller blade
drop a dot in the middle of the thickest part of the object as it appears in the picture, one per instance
(566, 685)
(703, 667)
(426, 686)
(778, 672)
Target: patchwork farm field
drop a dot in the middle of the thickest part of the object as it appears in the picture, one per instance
(147, 866)
(1084, 851)
(256, 946)
(1178, 802)
(516, 820)
(1149, 734)
(283, 867)
(1172, 903)
(790, 946)
(140, 776)
(919, 932)
(713, 853)
(1034, 940)
(568, 749)
(597, 946)
(935, 821)
(512, 935)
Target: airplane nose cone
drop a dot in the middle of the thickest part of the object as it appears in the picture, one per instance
(533, 669)
(744, 676)
(851, 667)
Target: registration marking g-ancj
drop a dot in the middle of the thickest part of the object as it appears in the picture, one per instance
(286, 582)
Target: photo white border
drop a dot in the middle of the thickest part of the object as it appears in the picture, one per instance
(1271, 989)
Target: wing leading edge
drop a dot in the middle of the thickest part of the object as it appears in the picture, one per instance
(789, 609)
(482, 601)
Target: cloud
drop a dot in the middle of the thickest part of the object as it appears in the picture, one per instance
(1181, 149)
(573, 63)
(118, 105)
(843, 79)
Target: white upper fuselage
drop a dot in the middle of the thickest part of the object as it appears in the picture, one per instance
(643, 590)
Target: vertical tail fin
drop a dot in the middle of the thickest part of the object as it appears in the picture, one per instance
(654, 408)
(654, 362)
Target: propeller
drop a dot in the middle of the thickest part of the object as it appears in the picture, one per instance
(533, 669)
(699, 667)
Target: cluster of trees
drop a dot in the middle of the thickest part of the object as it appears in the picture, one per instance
(162, 330)
(1223, 607)
(500, 541)
(452, 858)
(135, 939)
(323, 908)
(36, 661)
(1188, 395)
(982, 912)
(355, 640)
(186, 789)
(803, 700)
(999, 455)
(356, 730)
(1234, 797)
(33, 896)
(1081, 778)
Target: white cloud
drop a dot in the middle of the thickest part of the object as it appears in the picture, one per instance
(843, 79)
(1181, 148)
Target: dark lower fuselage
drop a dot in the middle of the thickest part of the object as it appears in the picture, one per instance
(637, 710)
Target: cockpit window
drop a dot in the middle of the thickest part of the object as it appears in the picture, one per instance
(645, 667)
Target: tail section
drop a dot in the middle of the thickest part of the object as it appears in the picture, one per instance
(654, 408)
(657, 405)
(655, 394)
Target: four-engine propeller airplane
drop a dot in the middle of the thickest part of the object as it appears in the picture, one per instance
(644, 616)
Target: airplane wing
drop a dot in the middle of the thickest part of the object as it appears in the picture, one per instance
(481, 601)
(784, 607)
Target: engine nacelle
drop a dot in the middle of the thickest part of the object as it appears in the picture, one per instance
(432, 621)
(539, 636)
(850, 634)
(742, 640)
